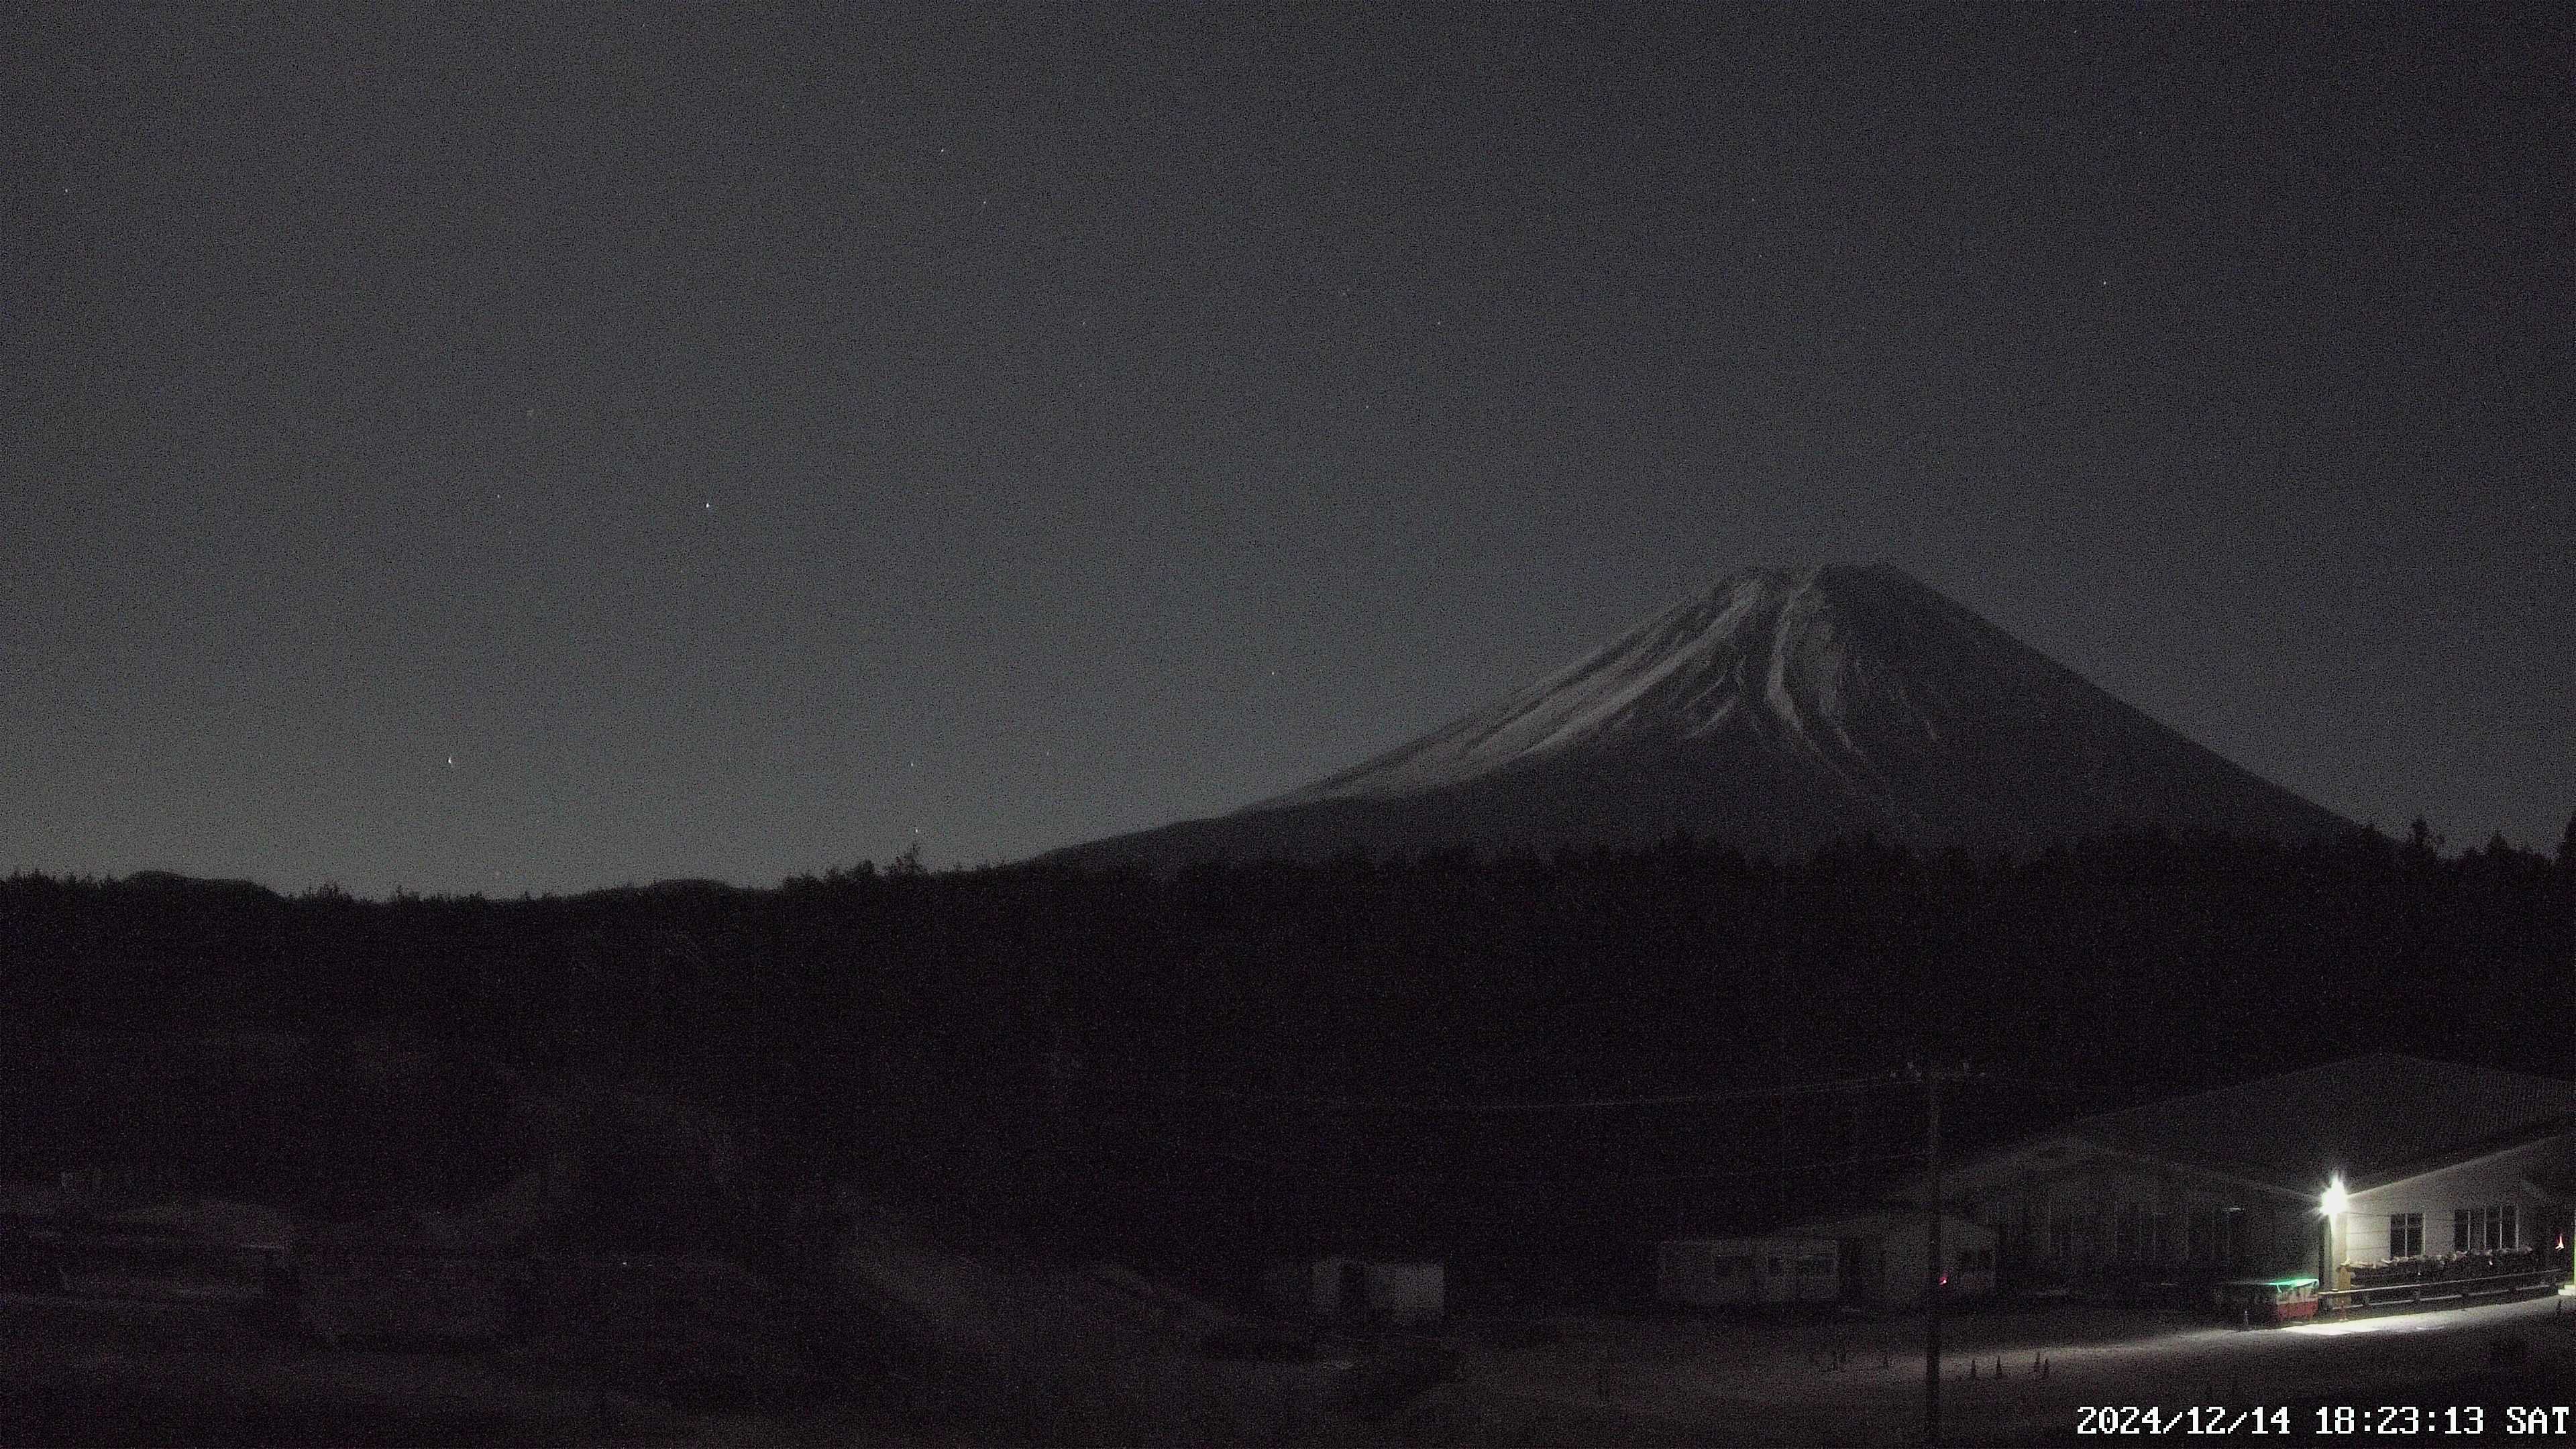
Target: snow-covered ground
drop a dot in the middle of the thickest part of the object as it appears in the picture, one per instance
(112, 1371)
(1861, 1381)
(1097, 1352)
(1098, 1356)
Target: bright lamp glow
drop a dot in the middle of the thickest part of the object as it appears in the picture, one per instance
(2333, 1199)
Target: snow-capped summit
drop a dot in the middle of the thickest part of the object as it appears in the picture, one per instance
(1775, 711)
(1767, 651)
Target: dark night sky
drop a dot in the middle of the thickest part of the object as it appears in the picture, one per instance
(562, 445)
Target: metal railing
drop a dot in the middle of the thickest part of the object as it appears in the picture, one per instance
(2435, 1290)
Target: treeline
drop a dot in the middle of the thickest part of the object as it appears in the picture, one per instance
(1236, 1020)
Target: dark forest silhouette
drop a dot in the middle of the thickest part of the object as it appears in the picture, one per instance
(1098, 1058)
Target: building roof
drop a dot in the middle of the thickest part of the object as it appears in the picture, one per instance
(1883, 1223)
(2370, 1118)
(1785, 1235)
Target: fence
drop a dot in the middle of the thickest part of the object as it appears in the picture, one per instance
(2435, 1290)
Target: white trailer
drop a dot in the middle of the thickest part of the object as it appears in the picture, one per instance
(1337, 1287)
(1719, 1272)
(1884, 1253)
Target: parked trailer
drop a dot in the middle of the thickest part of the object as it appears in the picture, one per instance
(1723, 1272)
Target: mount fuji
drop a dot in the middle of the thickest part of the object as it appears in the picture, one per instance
(1775, 711)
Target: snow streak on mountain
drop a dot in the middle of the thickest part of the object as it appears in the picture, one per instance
(1775, 712)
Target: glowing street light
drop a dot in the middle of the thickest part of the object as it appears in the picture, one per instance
(2330, 1204)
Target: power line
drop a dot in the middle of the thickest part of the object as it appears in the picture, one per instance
(1601, 1179)
(1360, 1104)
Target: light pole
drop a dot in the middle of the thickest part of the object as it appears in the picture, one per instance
(1934, 1276)
(2330, 1206)
(1932, 1262)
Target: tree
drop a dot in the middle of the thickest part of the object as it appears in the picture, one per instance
(2567, 873)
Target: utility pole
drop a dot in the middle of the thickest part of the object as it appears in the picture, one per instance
(1932, 1260)
(2567, 890)
(1934, 1279)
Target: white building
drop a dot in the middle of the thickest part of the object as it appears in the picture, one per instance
(2431, 1161)
(2497, 1203)
(1884, 1253)
(1725, 1272)
(1339, 1287)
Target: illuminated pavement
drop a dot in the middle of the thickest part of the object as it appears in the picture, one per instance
(1783, 1384)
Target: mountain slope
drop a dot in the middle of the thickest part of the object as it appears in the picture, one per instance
(1776, 711)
